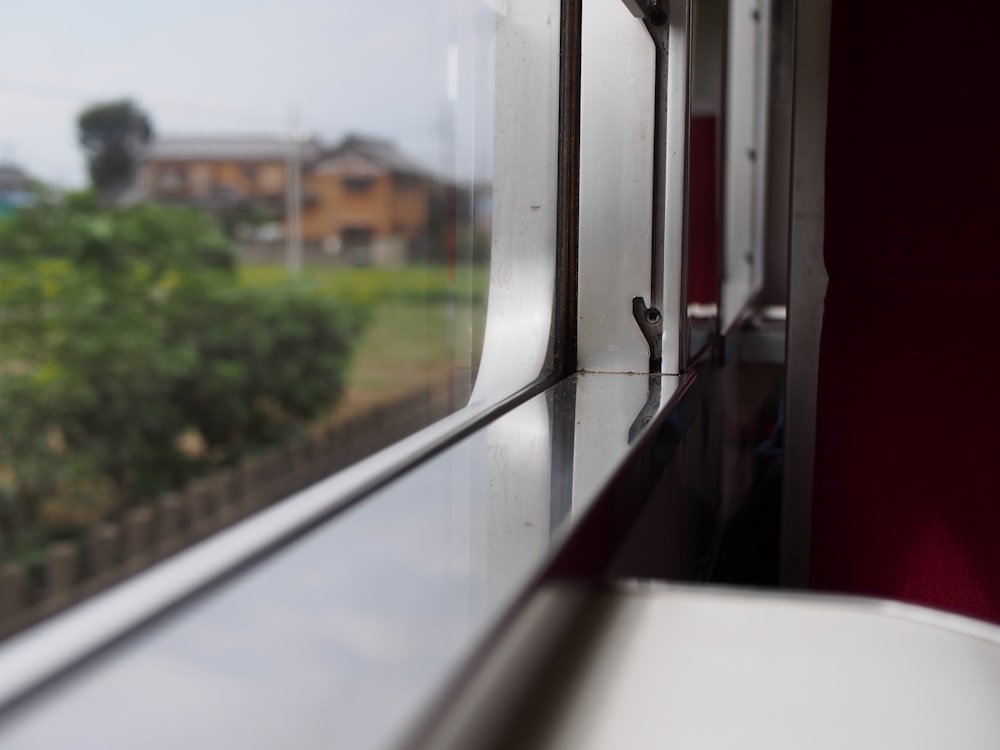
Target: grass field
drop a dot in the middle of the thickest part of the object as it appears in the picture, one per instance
(370, 285)
(422, 323)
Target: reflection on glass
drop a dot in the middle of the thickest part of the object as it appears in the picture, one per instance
(345, 638)
(241, 245)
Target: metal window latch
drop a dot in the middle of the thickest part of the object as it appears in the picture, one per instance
(654, 391)
(649, 10)
(651, 324)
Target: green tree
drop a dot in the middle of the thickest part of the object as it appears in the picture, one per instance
(111, 134)
(131, 359)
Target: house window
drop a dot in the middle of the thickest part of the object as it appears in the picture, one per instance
(271, 178)
(201, 179)
(356, 237)
(357, 245)
(358, 183)
(170, 181)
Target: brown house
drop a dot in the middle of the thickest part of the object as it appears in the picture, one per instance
(216, 172)
(362, 200)
(364, 197)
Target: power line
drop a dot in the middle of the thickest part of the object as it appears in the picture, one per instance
(189, 107)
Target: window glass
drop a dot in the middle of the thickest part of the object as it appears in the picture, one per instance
(242, 244)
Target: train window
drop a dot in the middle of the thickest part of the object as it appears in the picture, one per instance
(549, 152)
(359, 183)
(182, 343)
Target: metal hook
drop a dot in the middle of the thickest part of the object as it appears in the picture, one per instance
(649, 10)
(650, 322)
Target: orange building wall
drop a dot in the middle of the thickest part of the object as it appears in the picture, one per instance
(390, 207)
(384, 207)
(411, 207)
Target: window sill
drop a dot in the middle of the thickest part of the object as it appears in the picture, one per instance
(346, 636)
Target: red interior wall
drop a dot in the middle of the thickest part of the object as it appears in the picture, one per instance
(907, 486)
(703, 216)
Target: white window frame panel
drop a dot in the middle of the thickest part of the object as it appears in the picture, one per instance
(745, 174)
(522, 289)
(675, 179)
(633, 233)
(617, 114)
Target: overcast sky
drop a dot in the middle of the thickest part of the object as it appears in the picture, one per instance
(378, 67)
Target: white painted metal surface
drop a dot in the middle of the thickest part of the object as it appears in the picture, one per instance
(517, 523)
(616, 184)
(525, 194)
(599, 426)
(701, 668)
(676, 182)
(807, 279)
(745, 156)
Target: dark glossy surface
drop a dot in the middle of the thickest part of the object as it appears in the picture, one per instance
(343, 638)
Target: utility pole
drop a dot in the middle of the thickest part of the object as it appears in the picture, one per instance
(293, 201)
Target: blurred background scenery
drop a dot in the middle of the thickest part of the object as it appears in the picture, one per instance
(242, 244)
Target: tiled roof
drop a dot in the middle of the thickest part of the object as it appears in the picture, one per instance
(382, 153)
(224, 148)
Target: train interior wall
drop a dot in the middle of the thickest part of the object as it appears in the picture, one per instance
(905, 500)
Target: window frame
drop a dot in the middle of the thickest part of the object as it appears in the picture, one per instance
(523, 296)
(544, 316)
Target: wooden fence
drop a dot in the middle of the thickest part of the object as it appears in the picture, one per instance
(110, 552)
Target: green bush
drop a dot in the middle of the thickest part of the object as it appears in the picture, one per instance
(132, 360)
(145, 241)
(277, 360)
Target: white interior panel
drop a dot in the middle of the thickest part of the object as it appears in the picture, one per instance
(616, 185)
